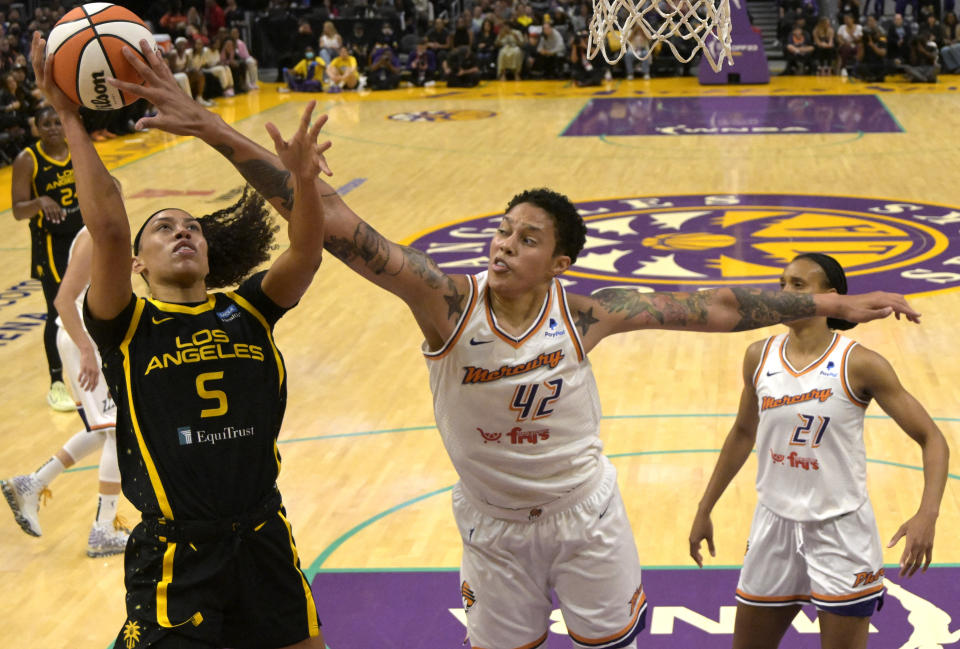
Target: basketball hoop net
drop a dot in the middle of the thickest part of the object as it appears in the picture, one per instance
(685, 26)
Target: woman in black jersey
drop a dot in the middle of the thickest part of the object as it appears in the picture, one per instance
(43, 191)
(200, 389)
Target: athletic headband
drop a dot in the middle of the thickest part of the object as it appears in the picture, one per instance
(836, 279)
(136, 239)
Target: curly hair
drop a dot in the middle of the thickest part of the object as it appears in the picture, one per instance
(569, 228)
(239, 238)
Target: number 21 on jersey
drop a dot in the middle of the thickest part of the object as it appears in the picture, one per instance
(536, 400)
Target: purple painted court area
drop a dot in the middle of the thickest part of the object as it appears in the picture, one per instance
(795, 114)
(687, 609)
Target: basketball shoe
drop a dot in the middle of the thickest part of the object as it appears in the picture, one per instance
(59, 399)
(107, 540)
(23, 494)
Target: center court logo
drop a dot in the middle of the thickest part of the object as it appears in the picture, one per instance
(442, 115)
(689, 242)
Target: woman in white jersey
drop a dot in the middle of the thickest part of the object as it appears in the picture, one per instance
(81, 369)
(516, 404)
(814, 538)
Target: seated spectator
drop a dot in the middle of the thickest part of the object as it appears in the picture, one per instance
(191, 79)
(422, 65)
(524, 16)
(250, 63)
(921, 64)
(383, 72)
(510, 53)
(584, 72)
(213, 17)
(439, 39)
(29, 95)
(306, 75)
(359, 44)
(851, 7)
(174, 21)
(933, 29)
(461, 69)
(330, 42)
(950, 52)
(14, 121)
(849, 36)
(798, 50)
(485, 47)
(195, 20)
(550, 50)
(462, 35)
(342, 72)
(229, 59)
(234, 16)
(898, 40)
(824, 46)
(218, 77)
(873, 53)
(641, 45)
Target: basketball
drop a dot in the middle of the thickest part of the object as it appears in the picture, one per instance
(86, 48)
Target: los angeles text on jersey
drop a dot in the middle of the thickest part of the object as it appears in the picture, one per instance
(474, 374)
(63, 179)
(204, 345)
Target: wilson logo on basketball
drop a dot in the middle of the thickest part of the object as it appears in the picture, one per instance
(101, 98)
(684, 243)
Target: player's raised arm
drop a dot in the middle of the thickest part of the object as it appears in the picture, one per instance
(616, 310)
(736, 449)
(98, 195)
(873, 377)
(291, 274)
(436, 299)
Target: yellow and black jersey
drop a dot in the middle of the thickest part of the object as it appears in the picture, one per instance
(51, 241)
(200, 392)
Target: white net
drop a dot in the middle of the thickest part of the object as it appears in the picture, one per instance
(619, 27)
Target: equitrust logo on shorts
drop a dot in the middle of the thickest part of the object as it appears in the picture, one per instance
(690, 242)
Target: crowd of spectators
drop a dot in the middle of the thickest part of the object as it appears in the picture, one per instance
(867, 45)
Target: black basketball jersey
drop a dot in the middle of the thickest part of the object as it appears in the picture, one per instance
(200, 392)
(54, 178)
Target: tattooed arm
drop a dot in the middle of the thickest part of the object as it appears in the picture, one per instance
(616, 310)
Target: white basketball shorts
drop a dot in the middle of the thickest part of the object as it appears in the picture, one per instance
(837, 564)
(98, 410)
(583, 550)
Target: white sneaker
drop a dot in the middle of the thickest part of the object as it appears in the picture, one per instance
(363, 82)
(228, 92)
(105, 541)
(205, 102)
(23, 494)
(59, 399)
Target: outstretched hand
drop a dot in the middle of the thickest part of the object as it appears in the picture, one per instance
(177, 112)
(702, 530)
(43, 71)
(878, 304)
(302, 155)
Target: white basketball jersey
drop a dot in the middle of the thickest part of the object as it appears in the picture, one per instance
(811, 459)
(83, 293)
(519, 416)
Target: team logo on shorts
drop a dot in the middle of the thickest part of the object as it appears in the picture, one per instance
(442, 115)
(469, 598)
(131, 634)
(690, 242)
(867, 578)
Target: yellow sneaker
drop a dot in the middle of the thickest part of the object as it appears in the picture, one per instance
(59, 399)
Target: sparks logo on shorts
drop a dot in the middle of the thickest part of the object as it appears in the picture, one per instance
(866, 578)
(554, 329)
(805, 463)
(517, 435)
(683, 243)
(131, 634)
(469, 598)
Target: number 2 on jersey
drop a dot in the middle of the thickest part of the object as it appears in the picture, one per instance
(213, 395)
(806, 424)
(525, 401)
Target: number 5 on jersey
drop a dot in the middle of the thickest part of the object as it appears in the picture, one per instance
(212, 395)
(525, 400)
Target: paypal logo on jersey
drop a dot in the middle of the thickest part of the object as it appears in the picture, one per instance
(827, 372)
(554, 329)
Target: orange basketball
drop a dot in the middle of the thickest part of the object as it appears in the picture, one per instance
(86, 48)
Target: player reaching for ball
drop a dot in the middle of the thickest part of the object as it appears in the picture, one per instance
(213, 562)
(507, 351)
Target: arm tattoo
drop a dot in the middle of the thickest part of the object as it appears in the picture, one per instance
(269, 181)
(373, 251)
(762, 308)
(664, 308)
(584, 320)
